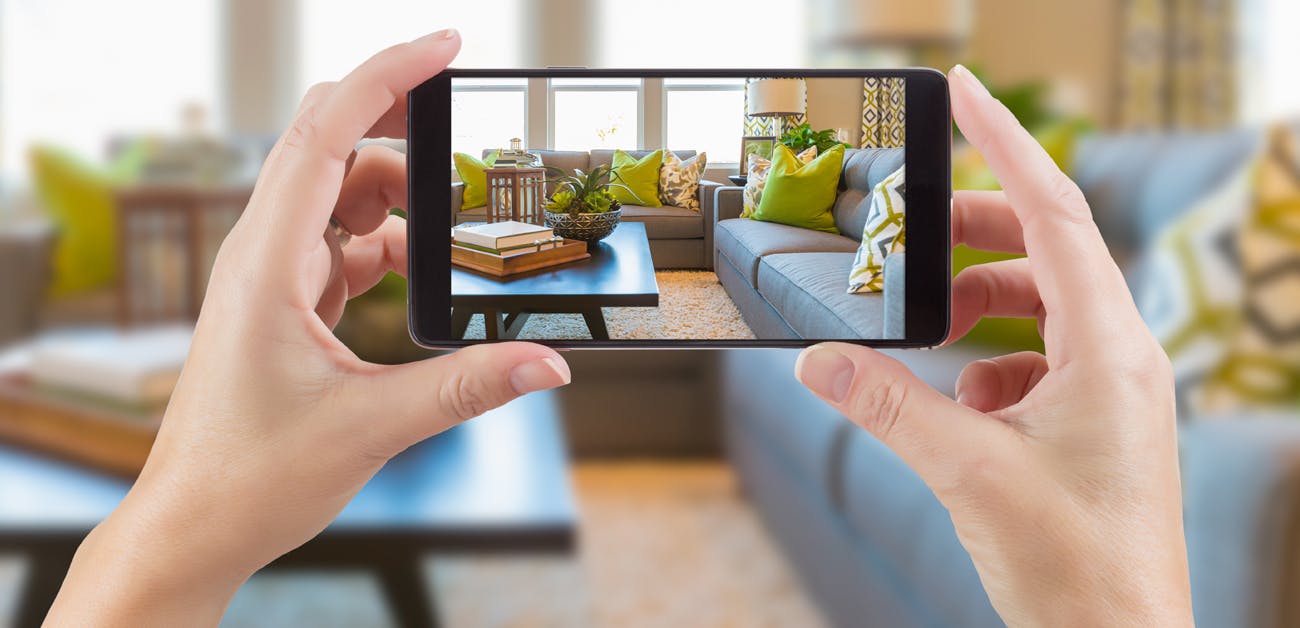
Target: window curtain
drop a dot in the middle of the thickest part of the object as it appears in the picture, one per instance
(884, 117)
(766, 127)
(1177, 69)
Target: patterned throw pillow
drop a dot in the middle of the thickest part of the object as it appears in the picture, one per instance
(882, 234)
(1261, 370)
(679, 181)
(756, 178)
(1192, 289)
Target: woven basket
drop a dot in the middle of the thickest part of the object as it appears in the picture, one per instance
(585, 227)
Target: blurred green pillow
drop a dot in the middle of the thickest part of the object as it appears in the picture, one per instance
(78, 196)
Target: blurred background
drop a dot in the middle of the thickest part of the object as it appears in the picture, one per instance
(684, 488)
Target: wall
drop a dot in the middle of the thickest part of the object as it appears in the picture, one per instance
(1072, 43)
(836, 103)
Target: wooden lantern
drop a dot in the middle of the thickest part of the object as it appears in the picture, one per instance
(515, 194)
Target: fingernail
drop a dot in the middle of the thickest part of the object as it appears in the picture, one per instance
(539, 375)
(444, 34)
(964, 75)
(826, 372)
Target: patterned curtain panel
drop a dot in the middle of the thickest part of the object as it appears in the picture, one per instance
(884, 118)
(1178, 64)
(762, 127)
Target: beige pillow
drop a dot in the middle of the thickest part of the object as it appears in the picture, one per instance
(756, 179)
(679, 181)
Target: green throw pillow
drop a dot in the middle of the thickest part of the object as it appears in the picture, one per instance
(637, 180)
(801, 195)
(471, 172)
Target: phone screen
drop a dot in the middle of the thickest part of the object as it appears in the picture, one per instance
(659, 208)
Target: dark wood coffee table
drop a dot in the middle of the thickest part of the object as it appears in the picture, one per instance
(499, 483)
(619, 273)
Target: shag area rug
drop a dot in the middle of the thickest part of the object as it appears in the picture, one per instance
(692, 304)
(660, 544)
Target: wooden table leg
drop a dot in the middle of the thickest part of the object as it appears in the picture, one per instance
(596, 323)
(493, 327)
(45, 571)
(460, 321)
(409, 598)
(515, 323)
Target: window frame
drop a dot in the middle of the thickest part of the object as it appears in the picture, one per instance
(638, 88)
(521, 88)
(695, 87)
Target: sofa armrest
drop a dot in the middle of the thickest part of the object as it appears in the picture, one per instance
(728, 201)
(1241, 507)
(457, 198)
(706, 192)
(895, 293)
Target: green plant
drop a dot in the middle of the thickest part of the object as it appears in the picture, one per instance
(802, 137)
(583, 192)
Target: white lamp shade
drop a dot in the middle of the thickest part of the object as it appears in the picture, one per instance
(775, 97)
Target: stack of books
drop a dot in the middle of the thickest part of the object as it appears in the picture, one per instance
(511, 247)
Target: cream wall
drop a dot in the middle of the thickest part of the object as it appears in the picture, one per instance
(836, 103)
(1070, 43)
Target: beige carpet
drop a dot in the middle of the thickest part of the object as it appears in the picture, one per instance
(692, 304)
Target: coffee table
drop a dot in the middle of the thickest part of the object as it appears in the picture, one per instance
(498, 483)
(619, 273)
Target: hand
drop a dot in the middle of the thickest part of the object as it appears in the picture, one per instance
(275, 424)
(1060, 471)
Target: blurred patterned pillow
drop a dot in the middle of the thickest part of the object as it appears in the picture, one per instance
(1192, 293)
(679, 180)
(1261, 369)
(882, 234)
(756, 178)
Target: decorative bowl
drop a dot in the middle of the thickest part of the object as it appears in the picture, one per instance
(585, 227)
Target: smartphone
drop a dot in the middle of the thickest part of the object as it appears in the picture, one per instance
(585, 208)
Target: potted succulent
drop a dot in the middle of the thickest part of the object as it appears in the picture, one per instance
(582, 207)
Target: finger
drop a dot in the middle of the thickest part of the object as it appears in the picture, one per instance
(934, 435)
(314, 151)
(334, 290)
(985, 221)
(368, 258)
(1079, 283)
(423, 398)
(997, 383)
(376, 184)
(1002, 289)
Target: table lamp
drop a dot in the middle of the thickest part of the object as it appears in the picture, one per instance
(775, 98)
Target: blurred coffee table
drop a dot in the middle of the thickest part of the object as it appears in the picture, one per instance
(619, 273)
(496, 484)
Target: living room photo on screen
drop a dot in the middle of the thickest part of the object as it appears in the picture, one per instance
(678, 208)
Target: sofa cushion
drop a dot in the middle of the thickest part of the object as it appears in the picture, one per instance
(744, 241)
(864, 168)
(807, 289)
(605, 157)
(666, 222)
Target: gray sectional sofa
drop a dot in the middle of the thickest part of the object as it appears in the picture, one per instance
(679, 237)
(792, 283)
(874, 547)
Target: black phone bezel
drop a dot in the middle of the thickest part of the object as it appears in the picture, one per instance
(929, 200)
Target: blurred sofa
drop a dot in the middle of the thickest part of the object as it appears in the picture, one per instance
(874, 547)
(679, 237)
(791, 283)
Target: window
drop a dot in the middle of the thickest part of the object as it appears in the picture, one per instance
(487, 113)
(705, 115)
(335, 37)
(77, 74)
(595, 113)
(1268, 88)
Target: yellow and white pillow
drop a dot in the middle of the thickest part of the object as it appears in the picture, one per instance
(756, 178)
(883, 234)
